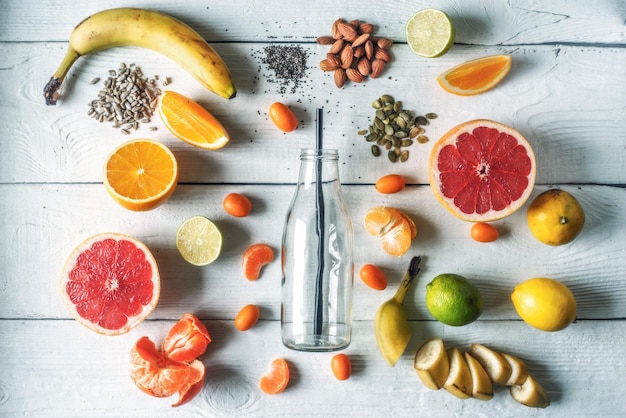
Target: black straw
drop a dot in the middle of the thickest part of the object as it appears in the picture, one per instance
(319, 203)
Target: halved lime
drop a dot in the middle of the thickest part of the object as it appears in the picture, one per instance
(199, 241)
(430, 33)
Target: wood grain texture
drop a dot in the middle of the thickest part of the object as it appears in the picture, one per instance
(565, 93)
(578, 384)
(570, 126)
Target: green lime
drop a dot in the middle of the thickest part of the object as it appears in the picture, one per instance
(453, 300)
(430, 33)
(199, 241)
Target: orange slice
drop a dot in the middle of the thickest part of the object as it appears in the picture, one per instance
(476, 76)
(482, 170)
(141, 174)
(110, 283)
(190, 122)
(276, 380)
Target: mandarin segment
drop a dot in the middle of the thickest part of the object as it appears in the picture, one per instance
(254, 258)
(277, 379)
(394, 229)
(187, 339)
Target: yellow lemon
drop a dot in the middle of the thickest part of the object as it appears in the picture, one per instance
(555, 217)
(545, 304)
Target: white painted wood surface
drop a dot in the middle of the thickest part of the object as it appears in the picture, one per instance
(566, 94)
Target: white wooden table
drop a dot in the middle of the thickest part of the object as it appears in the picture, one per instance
(566, 93)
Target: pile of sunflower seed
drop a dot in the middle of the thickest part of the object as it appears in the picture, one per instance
(395, 129)
(127, 99)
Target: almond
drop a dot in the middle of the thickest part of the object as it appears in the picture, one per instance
(378, 66)
(359, 51)
(364, 66)
(382, 54)
(340, 77)
(360, 40)
(384, 43)
(337, 46)
(354, 75)
(325, 40)
(326, 65)
(366, 28)
(334, 60)
(334, 32)
(369, 50)
(355, 23)
(347, 31)
(346, 56)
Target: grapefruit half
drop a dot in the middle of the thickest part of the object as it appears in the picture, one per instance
(110, 283)
(482, 170)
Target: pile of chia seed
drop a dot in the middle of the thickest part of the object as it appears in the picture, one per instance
(288, 64)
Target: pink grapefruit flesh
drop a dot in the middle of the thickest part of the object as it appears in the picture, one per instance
(482, 170)
(110, 283)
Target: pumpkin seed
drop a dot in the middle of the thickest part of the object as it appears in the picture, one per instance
(404, 156)
(431, 116)
(407, 142)
(386, 98)
(421, 120)
(377, 104)
(422, 139)
(371, 137)
(393, 157)
(362, 132)
(375, 151)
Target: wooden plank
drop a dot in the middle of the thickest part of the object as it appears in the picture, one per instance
(41, 229)
(477, 23)
(575, 125)
(45, 365)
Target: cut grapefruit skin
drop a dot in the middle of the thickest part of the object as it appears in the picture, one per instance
(482, 170)
(110, 283)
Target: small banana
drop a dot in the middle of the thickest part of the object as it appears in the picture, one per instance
(149, 29)
(391, 325)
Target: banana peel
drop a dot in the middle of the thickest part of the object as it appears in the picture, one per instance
(391, 325)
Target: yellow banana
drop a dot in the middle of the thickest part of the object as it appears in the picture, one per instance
(391, 325)
(149, 29)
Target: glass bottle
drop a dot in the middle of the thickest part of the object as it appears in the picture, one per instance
(317, 264)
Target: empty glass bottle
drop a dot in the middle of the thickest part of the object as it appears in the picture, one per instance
(317, 262)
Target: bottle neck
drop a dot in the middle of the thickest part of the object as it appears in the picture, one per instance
(318, 164)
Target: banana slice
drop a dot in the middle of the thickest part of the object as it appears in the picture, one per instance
(482, 388)
(530, 393)
(495, 365)
(431, 364)
(519, 370)
(459, 381)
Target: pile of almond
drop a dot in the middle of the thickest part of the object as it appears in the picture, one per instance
(355, 53)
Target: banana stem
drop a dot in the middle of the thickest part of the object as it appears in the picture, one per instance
(408, 278)
(51, 89)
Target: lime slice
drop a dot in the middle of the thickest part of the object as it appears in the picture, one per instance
(430, 33)
(199, 241)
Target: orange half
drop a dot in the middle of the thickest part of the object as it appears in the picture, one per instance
(476, 76)
(141, 174)
(190, 122)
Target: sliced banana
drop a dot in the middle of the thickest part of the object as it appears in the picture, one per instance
(482, 388)
(431, 364)
(459, 381)
(530, 393)
(497, 367)
(519, 370)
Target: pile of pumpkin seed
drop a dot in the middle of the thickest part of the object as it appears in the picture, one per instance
(395, 129)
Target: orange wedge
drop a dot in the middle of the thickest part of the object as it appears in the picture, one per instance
(476, 76)
(190, 122)
(141, 174)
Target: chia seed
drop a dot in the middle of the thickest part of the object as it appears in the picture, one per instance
(288, 64)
